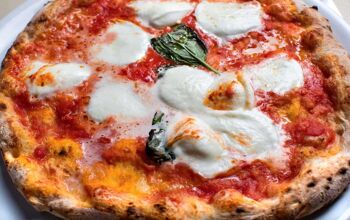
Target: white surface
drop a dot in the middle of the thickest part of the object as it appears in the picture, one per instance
(12, 204)
(279, 74)
(64, 76)
(198, 146)
(106, 101)
(227, 21)
(122, 43)
(248, 133)
(185, 88)
(161, 13)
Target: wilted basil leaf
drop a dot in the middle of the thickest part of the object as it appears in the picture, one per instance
(156, 148)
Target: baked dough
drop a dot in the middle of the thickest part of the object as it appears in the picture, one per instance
(319, 182)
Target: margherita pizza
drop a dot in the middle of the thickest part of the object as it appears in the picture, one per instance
(177, 109)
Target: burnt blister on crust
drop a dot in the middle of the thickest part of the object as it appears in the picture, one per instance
(132, 213)
(240, 210)
(161, 208)
(311, 184)
(342, 171)
(3, 106)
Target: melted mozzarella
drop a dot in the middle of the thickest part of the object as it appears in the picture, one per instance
(278, 75)
(220, 132)
(45, 79)
(190, 89)
(249, 132)
(123, 43)
(272, 43)
(229, 20)
(229, 92)
(185, 88)
(195, 144)
(116, 99)
(159, 13)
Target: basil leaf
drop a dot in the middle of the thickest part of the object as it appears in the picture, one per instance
(158, 117)
(156, 148)
(183, 46)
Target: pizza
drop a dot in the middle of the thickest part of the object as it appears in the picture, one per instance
(177, 109)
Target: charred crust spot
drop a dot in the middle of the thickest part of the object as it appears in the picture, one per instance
(109, 209)
(288, 190)
(343, 171)
(314, 7)
(309, 171)
(240, 210)
(329, 179)
(3, 107)
(340, 130)
(327, 187)
(63, 153)
(131, 211)
(297, 201)
(311, 184)
(161, 208)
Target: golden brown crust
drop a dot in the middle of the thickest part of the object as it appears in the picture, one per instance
(317, 185)
(323, 185)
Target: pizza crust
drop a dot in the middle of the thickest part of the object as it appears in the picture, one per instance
(318, 185)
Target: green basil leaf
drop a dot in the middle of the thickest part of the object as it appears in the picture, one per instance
(183, 46)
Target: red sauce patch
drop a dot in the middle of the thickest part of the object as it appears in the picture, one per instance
(69, 116)
(40, 153)
(103, 11)
(146, 69)
(310, 132)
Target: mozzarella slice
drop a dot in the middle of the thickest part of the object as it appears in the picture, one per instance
(278, 75)
(123, 43)
(157, 13)
(116, 99)
(249, 132)
(229, 92)
(45, 79)
(229, 20)
(230, 128)
(196, 145)
(185, 88)
(195, 91)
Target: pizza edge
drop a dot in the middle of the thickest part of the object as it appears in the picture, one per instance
(306, 194)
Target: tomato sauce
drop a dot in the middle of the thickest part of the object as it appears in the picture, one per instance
(40, 153)
(310, 132)
(70, 121)
(146, 69)
(103, 11)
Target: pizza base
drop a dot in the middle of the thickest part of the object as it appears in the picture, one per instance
(319, 183)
